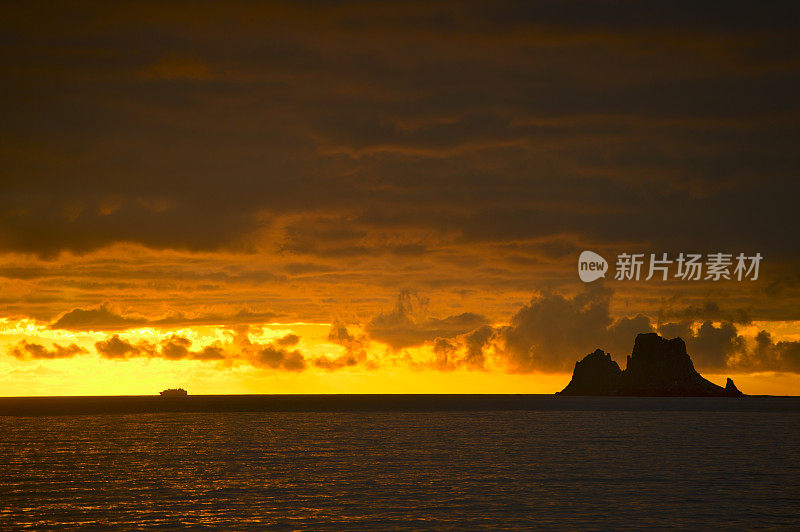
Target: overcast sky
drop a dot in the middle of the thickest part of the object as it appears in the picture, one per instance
(426, 173)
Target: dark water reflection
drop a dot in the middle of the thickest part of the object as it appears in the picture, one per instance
(402, 470)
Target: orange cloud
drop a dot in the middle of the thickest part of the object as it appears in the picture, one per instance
(26, 349)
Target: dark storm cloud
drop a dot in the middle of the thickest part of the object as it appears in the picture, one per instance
(463, 351)
(475, 343)
(552, 332)
(28, 350)
(174, 347)
(288, 340)
(275, 355)
(334, 363)
(355, 350)
(116, 347)
(548, 335)
(710, 346)
(768, 355)
(339, 333)
(706, 310)
(623, 331)
(103, 318)
(210, 352)
(198, 130)
(444, 350)
(127, 274)
(408, 323)
(545, 334)
(278, 358)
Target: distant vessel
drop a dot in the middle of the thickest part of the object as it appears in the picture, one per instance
(174, 392)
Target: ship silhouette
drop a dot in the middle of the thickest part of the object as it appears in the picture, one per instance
(174, 392)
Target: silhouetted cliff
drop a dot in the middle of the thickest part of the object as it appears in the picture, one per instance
(596, 374)
(656, 367)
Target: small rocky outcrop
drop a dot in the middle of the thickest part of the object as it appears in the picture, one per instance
(731, 388)
(656, 367)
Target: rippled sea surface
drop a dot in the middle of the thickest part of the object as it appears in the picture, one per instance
(402, 470)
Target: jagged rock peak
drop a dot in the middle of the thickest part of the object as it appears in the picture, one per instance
(657, 366)
(731, 388)
(595, 374)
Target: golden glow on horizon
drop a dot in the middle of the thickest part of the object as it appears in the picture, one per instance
(191, 211)
(409, 370)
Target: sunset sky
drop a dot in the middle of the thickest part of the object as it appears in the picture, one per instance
(389, 197)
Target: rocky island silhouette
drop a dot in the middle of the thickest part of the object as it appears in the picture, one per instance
(657, 367)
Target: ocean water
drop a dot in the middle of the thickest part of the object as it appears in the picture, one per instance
(598, 468)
